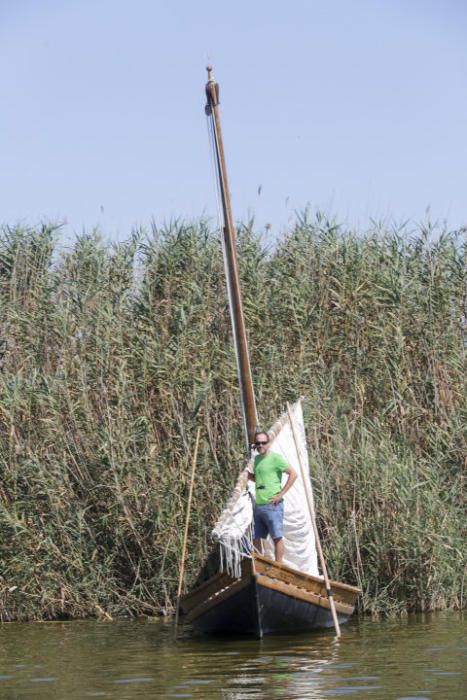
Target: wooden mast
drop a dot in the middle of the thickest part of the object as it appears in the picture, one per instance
(233, 282)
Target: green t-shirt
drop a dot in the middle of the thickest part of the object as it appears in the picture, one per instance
(268, 476)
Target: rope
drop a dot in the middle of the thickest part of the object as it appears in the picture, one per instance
(215, 169)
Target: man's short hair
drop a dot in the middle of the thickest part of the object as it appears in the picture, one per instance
(262, 432)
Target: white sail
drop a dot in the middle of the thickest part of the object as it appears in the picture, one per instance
(233, 530)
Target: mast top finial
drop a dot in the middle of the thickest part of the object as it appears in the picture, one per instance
(212, 91)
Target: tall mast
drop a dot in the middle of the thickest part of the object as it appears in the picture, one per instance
(247, 395)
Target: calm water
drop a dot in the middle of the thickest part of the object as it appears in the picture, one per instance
(419, 657)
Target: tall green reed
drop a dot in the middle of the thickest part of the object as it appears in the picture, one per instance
(111, 356)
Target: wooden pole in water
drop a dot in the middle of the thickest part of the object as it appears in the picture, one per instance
(187, 522)
(315, 529)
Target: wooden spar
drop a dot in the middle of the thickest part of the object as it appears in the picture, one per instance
(311, 510)
(187, 522)
(233, 282)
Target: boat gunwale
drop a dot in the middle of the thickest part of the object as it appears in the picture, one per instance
(310, 597)
(220, 596)
(307, 577)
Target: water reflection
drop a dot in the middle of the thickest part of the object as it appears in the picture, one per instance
(418, 657)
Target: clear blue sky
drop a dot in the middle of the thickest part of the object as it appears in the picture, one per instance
(356, 107)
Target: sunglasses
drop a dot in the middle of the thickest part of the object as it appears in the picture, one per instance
(259, 442)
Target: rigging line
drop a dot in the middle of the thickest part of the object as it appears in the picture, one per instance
(215, 170)
(224, 191)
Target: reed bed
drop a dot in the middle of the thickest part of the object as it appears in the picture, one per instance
(111, 356)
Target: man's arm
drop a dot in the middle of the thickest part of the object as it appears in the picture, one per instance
(292, 475)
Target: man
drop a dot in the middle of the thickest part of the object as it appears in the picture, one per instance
(269, 509)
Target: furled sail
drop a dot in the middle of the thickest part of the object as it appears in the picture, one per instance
(233, 530)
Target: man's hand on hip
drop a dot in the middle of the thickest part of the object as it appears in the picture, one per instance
(274, 500)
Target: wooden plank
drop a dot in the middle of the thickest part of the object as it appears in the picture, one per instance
(296, 578)
(316, 587)
(205, 591)
(218, 597)
(302, 594)
(281, 572)
(209, 588)
(275, 564)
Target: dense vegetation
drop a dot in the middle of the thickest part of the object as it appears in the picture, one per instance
(111, 356)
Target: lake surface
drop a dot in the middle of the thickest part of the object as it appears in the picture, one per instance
(422, 656)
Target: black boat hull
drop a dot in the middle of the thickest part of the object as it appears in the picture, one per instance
(268, 598)
(255, 611)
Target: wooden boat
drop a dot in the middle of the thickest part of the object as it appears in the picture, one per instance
(240, 591)
(267, 598)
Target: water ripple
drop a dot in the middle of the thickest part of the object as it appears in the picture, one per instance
(134, 660)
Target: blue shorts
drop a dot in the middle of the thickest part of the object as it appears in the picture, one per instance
(269, 520)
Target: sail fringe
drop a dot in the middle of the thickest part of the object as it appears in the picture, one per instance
(233, 531)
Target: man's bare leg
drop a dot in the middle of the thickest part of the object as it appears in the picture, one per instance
(279, 549)
(258, 546)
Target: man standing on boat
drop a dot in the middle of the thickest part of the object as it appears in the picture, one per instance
(269, 508)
